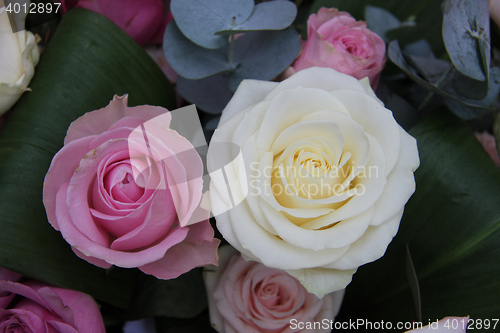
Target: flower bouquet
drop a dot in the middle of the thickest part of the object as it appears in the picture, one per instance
(249, 166)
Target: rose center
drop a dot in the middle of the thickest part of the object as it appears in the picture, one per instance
(120, 183)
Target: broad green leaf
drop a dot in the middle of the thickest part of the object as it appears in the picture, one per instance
(496, 131)
(199, 20)
(451, 225)
(190, 60)
(210, 94)
(263, 55)
(380, 21)
(273, 15)
(466, 34)
(183, 297)
(87, 62)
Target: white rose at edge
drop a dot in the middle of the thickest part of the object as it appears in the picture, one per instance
(328, 172)
(19, 55)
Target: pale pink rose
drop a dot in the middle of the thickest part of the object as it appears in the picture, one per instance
(41, 308)
(140, 19)
(488, 142)
(91, 195)
(248, 297)
(336, 40)
(446, 325)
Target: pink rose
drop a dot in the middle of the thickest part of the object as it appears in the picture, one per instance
(337, 40)
(112, 215)
(250, 297)
(142, 19)
(489, 144)
(41, 308)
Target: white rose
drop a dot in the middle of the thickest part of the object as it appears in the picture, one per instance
(19, 55)
(328, 171)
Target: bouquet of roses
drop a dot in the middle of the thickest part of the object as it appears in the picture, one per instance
(249, 166)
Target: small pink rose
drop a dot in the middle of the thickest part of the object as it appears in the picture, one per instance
(108, 214)
(248, 297)
(41, 308)
(337, 40)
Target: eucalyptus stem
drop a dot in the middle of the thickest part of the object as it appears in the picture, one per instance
(438, 84)
(231, 51)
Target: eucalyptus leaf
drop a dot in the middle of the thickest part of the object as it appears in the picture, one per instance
(469, 88)
(272, 15)
(380, 21)
(199, 20)
(475, 108)
(263, 55)
(401, 9)
(466, 34)
(190, 60)
(212, 124)
(420, 48)
(404, 113)
(210, 94)
(87, 62)
(451, 225)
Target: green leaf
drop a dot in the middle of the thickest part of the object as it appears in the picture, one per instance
(199, 20)
(263, 55)
(380, 21)
(466, 34)
(452, 226)
(88, 60)
(210, 94)
(190, 60)
(183, 297)
(496, 131)
(273, 15)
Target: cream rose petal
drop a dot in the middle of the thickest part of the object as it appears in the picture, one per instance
(320, 281)
(242, 99)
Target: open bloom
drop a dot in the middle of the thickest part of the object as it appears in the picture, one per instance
(35, 307)
(324, 174)
(336, 40)
(19, 55)
(112, 211)
(248, 297)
